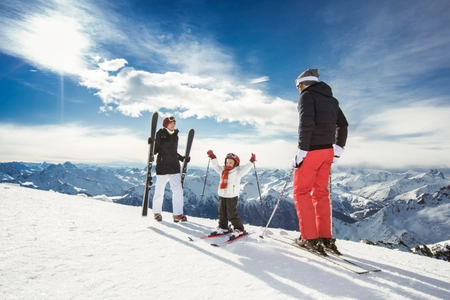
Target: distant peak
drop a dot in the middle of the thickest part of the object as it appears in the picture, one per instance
(69, 165)
(436, 173)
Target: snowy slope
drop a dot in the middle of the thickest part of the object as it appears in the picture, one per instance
(57, 246)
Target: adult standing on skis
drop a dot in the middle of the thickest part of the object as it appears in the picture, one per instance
(168, 170)
(229, 188)
(322, 125)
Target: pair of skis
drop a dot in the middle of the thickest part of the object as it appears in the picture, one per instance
(332, 257)
(228, 241)
(151, 157)
(338, 260)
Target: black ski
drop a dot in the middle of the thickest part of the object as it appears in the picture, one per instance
(186, 155)
(148, 177)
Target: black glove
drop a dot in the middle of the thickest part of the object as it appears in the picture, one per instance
(188, 159)
(150, 140)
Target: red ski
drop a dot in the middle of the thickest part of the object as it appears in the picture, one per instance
(231, 240)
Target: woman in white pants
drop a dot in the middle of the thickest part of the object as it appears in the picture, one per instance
(168, 170)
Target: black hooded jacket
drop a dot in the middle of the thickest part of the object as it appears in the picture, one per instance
(322, 122)
(166, 145)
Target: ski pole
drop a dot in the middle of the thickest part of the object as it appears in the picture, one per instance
(206, 176)
(331, 206)
(278, 202)
(257, 183)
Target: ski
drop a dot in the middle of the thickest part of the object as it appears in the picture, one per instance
(186, 155)
(340, 256)
(363, 266)
(331, 258)
(231, 240)
(209, 236)
(148, 177)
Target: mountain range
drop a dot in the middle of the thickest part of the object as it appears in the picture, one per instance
(392, 209)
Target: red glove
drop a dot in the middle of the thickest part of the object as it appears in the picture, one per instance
(211, 154)
(253, 158)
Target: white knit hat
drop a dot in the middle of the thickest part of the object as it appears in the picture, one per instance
(308, 75)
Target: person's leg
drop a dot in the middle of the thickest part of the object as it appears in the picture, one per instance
(222, 211)
(177, 194)
(158, 197)
(233, 214)
(304, 178)
(320, 194)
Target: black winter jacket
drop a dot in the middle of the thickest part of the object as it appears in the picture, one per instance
(166, 146)
(322, 122)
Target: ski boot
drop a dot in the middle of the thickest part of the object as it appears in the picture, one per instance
(313, 245)
(179, 218)
(329, 244)
(220, 231)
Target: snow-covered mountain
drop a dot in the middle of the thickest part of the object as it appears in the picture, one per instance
(69, 179)
(414, 221)
(380, 206)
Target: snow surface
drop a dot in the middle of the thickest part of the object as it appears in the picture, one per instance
(57, 246)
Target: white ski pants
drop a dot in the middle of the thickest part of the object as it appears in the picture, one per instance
(177, 193)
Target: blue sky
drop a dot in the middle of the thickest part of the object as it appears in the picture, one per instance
(79, 80)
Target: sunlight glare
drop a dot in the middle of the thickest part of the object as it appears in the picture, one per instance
(57, 43)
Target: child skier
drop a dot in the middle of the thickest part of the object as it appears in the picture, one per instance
(229, 187)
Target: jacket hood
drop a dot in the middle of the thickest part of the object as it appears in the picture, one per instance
(321, 88)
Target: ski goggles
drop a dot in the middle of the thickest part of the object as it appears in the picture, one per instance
(171, 119)
(232, 155)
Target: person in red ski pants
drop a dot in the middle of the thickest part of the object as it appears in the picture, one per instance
(322, 125)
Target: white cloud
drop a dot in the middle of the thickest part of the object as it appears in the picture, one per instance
(46, 35)
(113, 65)
(259, 79)
(134, 91)
(115, 146)
(415, 136)
(56, 143)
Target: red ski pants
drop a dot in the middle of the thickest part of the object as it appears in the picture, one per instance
(311, 195)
